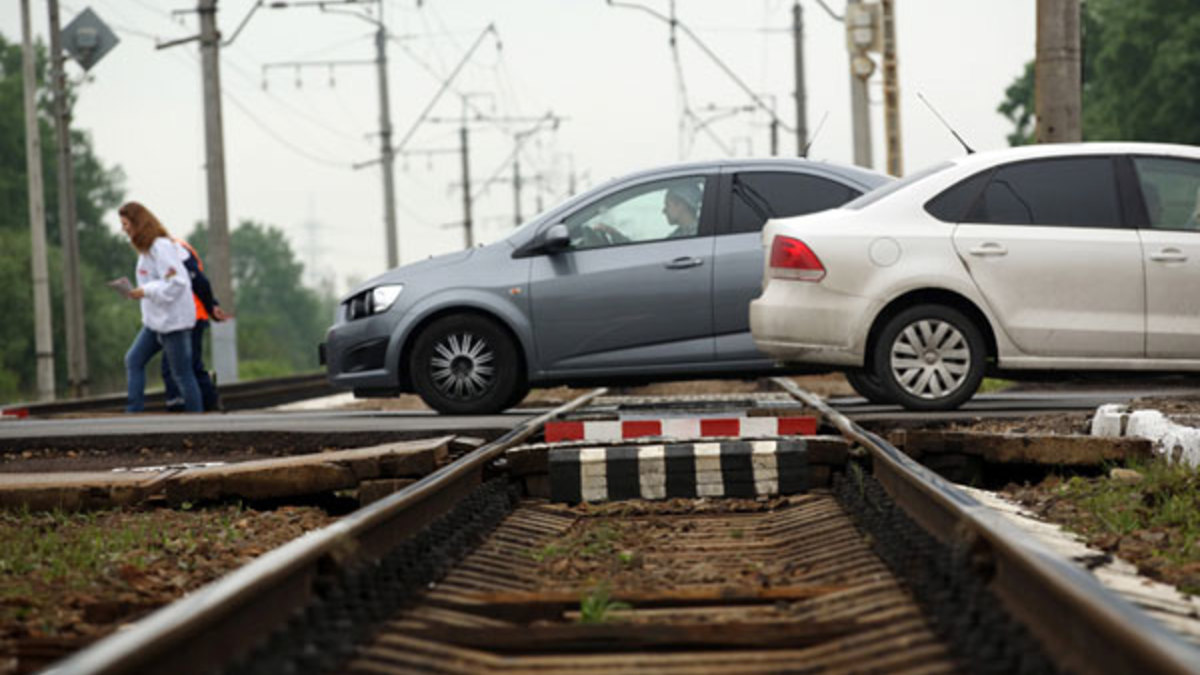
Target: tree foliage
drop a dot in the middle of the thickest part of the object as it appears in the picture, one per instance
(279, 320)
(1141, 74)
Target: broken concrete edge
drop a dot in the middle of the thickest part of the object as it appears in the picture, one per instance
(285, 477)
(997, 448)
(1178, 443)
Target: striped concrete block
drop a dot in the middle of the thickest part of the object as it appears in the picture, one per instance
(724, 469)
(682, 428)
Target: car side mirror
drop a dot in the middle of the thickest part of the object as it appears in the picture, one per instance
(556, 239)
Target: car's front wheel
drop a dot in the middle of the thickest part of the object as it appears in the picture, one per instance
(465, 364)
(930, 357)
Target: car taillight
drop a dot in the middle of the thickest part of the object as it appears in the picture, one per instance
(793, 259)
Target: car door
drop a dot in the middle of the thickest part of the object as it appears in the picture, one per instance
(632, 291)
(1045, 244)
(1170, 235)
(749, 198)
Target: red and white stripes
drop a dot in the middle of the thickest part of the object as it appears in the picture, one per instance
(680, 428)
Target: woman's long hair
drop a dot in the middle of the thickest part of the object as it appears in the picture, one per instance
(145, 228)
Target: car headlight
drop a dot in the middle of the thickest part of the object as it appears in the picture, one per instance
(372, 301)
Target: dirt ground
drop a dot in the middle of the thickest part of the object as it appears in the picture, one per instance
(69, 579)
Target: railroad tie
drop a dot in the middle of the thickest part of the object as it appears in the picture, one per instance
(729, 468)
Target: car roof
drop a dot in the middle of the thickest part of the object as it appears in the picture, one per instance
(858, 174)
(1041, 150)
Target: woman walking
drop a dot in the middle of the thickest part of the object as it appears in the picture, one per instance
(168, 311)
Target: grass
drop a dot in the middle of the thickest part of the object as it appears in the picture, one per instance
(594, 542)
(1157, 516)
(598, 606)
(81, 551)
(993, 384)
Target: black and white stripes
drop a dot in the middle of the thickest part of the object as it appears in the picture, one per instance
(719, 469)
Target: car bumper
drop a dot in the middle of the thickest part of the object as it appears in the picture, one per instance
(359, 355)
(805, 322)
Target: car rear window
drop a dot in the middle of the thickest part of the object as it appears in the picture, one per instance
(951, 205)
(881, 192)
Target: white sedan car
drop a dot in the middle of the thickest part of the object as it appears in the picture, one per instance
(1081, 257)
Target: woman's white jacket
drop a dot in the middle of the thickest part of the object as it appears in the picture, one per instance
(167, 305)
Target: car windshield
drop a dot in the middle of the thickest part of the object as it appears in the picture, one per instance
(885, 190)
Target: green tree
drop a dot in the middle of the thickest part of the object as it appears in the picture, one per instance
(110, 320)
(279, 320)
(1141, 74)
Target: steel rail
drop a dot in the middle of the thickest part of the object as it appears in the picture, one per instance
(206, 629)
(1083, 626)
(244, 395)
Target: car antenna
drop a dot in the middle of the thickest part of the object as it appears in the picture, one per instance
(804, 153)
(969, 149)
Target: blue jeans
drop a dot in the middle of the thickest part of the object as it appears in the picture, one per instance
(208, 391)
(177, 349)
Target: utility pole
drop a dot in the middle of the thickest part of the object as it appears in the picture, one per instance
(224, 333)
(891, 90)
(801, 92)
(43, 337)
(387, 153)
(517, 190)
(1057, 94)
(860, 34)
(77, 363)
(468, 225)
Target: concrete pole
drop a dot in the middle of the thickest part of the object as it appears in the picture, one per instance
(77, 362)
(891, 91)
(1057, 94)
(468, 225)
(43, 337)
(219, 264)
(801, 92)
(386, 151)
(860, 113)
(516, 190)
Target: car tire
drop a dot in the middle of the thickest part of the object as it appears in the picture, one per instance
(465, 364)
(866, 383)
(930, 357)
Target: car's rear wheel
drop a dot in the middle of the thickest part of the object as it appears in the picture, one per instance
(465, 364)
(930, 357)
(868, 385)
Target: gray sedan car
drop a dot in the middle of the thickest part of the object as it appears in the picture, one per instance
(645, 278)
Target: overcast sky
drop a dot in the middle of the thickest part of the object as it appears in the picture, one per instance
(292, 135)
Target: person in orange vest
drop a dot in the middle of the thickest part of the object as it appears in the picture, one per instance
(207, 307)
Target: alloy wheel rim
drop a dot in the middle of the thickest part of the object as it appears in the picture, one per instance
(461, 366)
(930, 359)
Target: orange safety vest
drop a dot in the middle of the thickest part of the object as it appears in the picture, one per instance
(201, 313)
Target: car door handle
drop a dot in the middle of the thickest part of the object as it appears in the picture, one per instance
(990, 248)
(1168, 255)
(684, 262)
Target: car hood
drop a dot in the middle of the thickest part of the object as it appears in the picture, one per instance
(441, 263)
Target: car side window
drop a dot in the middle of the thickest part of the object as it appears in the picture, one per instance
(1171, 192)
(1076, 191)
(760, 195)
(664, 209)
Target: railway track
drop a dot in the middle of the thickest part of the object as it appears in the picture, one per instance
(246, 395)
(876, 565)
